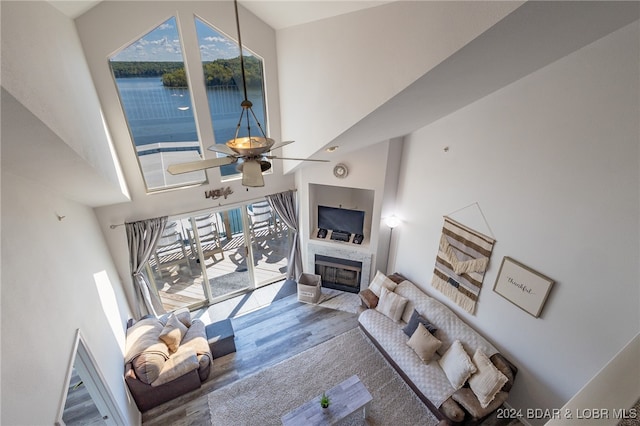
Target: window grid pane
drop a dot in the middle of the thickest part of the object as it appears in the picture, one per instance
(223, 81)
(153, 88)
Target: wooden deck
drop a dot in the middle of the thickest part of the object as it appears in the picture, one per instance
(181, 284)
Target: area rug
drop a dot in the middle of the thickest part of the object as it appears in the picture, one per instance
(340, 300)
(262, 399)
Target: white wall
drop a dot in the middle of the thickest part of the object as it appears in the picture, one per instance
(595, 404)
(57, 277)
(553, 162)
(43, 66)
(365, 58)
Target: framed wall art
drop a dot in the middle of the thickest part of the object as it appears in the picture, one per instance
(522, 286)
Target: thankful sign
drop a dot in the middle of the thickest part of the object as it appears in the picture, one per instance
(522, 286)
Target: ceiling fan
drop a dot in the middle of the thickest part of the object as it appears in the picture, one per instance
(252, 150)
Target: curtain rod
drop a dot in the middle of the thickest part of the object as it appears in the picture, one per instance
(114, 226)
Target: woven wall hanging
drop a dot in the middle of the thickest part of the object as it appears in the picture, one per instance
(463, 258)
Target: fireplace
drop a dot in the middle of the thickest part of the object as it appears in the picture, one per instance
(342, 252)
(339, 274)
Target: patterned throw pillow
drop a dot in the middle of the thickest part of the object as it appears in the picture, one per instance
(391, 304)
(416, 319)
(380, 281)
(488, 381)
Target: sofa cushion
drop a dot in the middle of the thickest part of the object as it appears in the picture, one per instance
(487, 381)
(429, 378)
(423, 343)
(467, 399)
(148, 365)
(416, 319)
(391, 304)
(196, 338)
(381, 281)
(176, 366)
(142, 337)
(457, 365)
(450, 326)
(173, 332)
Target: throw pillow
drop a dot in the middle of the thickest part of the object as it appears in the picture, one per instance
(184, 316)
(381, 281)
(416, 319)
(423, 343)
(391, 304)
(457, 365)
(487, 381)
(173, 332)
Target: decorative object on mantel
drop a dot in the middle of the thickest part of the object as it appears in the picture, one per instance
(462, 260)
(251, 149)
(522, 286)
(217, 193)
(340, 171)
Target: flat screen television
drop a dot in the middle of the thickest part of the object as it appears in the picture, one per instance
(336, 219)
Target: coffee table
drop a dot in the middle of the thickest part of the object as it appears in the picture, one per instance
(346, 398)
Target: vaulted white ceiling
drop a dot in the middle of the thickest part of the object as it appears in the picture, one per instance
(277, 14)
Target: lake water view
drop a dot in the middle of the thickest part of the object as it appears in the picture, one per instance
(159, 114)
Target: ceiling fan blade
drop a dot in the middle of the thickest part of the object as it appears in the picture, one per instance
(222, 148)
(193, 166)
(281, 144)
(252, 173)
(273, 157)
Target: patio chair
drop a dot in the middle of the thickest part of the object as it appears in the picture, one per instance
(207, 228)
(171, 249)
(260, 213)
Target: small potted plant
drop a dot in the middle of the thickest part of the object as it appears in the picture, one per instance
(324, 400)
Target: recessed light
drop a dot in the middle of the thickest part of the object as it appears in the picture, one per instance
(332, 148)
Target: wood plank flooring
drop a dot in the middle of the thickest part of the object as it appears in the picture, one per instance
(263, 338)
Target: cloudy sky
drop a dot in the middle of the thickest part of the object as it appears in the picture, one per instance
(163, 44)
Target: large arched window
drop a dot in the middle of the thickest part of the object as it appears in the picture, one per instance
(154, 91)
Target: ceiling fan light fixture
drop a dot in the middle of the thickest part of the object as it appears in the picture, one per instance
(250, 145)
(264, 166)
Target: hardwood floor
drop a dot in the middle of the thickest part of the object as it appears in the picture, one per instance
(263, 338)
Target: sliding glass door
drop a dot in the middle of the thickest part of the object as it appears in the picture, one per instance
(269, 243)
(226, 267)
(202, 258)
(174, 270)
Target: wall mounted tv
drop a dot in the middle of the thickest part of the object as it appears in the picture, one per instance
(336, 219)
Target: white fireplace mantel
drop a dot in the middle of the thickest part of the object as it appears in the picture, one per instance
(341, 251)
